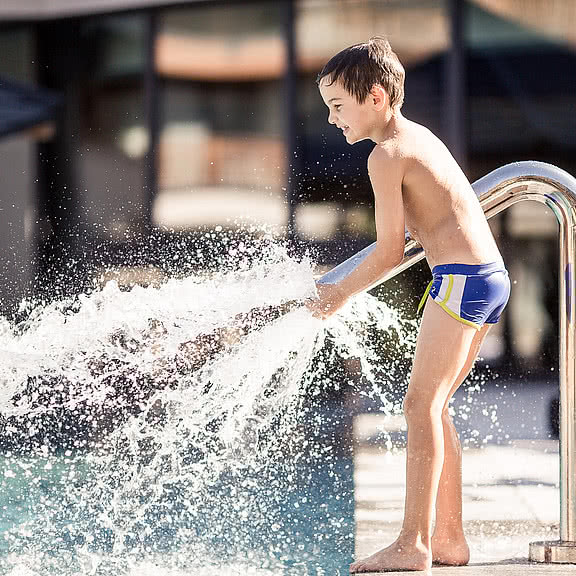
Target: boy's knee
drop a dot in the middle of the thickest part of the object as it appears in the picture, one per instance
(408, 403)
(418, 406)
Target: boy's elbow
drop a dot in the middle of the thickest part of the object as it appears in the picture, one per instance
(390, 257)
(396, 258)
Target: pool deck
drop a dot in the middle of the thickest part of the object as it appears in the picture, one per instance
(510, 494)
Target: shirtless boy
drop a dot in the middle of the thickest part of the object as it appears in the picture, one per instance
(418, 185)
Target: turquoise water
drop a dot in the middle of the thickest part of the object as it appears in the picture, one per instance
(193, 428)
(309, 530)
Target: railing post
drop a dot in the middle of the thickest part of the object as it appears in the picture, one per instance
(497, 191)
(564, 550)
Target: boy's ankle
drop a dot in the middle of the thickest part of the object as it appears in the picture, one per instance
(415, 539)
(449, 534)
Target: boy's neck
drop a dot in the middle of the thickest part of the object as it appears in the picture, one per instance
(389, 126)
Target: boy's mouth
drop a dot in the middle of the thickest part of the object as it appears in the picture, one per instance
(344, 129)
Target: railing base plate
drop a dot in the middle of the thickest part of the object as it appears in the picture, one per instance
(553, 552)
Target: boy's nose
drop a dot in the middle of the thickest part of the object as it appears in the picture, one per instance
(331, 119)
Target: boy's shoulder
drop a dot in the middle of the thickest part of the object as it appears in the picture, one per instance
(395, 147)
(386, 160)
(409, 141)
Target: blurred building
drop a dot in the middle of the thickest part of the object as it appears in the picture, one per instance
(176, 116)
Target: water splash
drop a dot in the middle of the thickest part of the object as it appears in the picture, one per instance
(164, 429)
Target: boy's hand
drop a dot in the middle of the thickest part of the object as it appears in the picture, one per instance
(330, 299)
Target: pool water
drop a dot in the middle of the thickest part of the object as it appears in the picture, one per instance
(309, 529)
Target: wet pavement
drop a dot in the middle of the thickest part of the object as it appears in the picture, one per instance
(510, 495)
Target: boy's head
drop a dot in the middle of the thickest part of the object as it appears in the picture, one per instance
(362, 66)
(360, 86)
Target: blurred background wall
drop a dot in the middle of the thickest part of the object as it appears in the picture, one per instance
(131, 126)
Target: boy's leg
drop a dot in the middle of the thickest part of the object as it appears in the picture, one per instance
(449, 544)
(441, 354)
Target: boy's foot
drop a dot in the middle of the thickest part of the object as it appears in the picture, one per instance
(395, 558)
(452, 551)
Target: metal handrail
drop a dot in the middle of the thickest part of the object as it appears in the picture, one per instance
(497, 191)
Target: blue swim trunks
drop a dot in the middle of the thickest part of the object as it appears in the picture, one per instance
(474, 294)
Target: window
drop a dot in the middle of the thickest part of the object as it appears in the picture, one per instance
(17, 185)
(222, 155)
(112, 137)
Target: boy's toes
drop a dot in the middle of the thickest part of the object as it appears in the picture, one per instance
(356, 567)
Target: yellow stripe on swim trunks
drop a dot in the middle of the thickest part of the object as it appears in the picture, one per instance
(429, 287)
(449, 289)
(426, 292)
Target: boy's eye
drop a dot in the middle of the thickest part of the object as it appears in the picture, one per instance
(337, 107)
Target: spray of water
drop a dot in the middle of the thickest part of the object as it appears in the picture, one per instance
(165, 430)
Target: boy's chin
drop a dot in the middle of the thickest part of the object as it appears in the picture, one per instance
(353, 138)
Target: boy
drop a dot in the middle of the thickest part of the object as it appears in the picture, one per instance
(418, 185)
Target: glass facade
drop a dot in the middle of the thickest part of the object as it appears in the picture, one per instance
(221, 153)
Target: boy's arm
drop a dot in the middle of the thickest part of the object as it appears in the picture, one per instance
(386, 175)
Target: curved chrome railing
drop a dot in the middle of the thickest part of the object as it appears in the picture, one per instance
(497, 191)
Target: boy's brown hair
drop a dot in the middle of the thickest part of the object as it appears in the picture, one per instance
(361, 66)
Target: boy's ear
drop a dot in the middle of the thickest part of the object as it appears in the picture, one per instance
(379, 97)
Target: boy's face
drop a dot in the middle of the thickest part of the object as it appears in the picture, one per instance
(356, 120)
